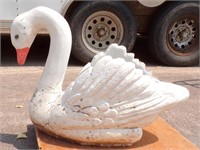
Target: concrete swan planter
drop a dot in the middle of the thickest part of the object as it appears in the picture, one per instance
(109, 102)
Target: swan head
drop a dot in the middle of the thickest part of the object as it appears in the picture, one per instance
(22, 36)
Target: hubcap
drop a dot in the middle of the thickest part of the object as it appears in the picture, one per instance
(100, 30)
(182, 36)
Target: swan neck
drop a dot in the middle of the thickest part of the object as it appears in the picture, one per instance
(59, 51)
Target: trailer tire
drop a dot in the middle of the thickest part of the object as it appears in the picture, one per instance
(174, 34)
(97, 24)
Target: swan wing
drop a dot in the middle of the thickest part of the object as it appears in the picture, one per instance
(115, 90)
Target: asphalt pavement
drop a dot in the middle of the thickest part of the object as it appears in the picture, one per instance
(19, 83)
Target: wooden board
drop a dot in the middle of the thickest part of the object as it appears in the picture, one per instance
(158, 135)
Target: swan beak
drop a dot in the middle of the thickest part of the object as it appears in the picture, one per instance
(22, 55)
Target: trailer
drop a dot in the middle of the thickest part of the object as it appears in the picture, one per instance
(171, 27)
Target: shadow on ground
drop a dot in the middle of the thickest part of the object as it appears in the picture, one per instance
(40, 48)
(24, 143)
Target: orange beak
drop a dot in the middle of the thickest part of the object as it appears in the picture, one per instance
(22, 55)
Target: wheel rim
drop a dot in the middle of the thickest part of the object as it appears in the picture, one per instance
(183, 36)
(100, 30)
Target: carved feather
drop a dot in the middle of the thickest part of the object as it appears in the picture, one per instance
(115, 89)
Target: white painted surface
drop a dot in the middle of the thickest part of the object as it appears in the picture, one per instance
(151, 3)
(9, 9)
(109, 102)
(25, 5)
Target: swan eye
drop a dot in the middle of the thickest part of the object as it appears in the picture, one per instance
(16, 36)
